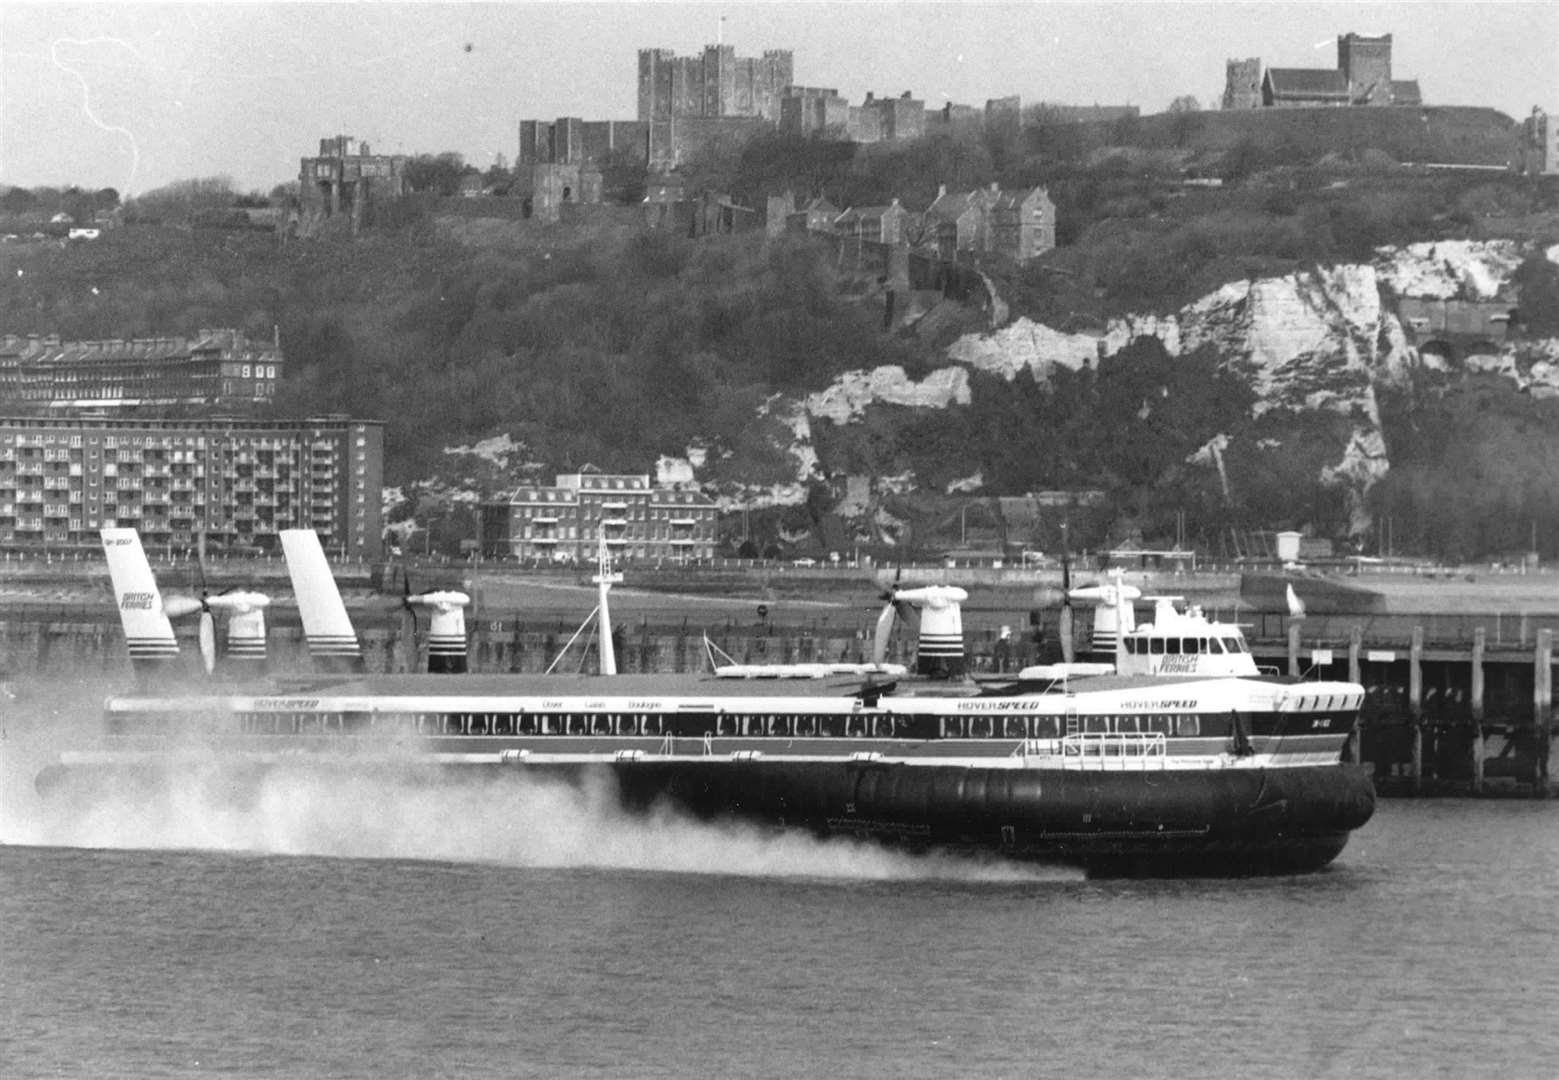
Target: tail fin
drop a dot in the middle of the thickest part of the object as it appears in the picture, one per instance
(153, 650)
(333, 643)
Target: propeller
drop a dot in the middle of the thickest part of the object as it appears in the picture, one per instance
(208, 622)
(246, 615)
(933, 612)
(1296, 606)
(1065, 629)
(446, 627)
(890, 610)
(409, 628)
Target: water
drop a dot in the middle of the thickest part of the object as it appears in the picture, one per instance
(365, 930)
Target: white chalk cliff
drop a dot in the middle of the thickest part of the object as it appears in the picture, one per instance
(1317, 340)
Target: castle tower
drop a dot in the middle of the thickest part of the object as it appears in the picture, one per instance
(1365, 62)
(1242, 90)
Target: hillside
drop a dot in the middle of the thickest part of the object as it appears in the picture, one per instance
(1132, 362)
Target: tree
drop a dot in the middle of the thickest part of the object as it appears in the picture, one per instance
(1185, 103)
(18, 199)
(437, 174)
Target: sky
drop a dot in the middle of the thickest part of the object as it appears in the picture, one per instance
(137, 95)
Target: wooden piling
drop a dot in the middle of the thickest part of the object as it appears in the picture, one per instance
(1356, 675)
(1415, 705)
(1479, 644)
(1543, 706)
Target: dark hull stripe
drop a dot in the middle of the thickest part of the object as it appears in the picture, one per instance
(1219, 821)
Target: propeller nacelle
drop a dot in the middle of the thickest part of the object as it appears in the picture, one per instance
(937, 611)
(245, 610)
(446, 628)
(1113, 613)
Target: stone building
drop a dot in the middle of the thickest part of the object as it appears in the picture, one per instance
(1362, 77)
(875, 224)
(347, 178)
(213, 368)
(688, 102)
(1022, 223)
(954, 223)
(814, 110)
(1017, 225)
(565, 523)
(715, 83)
(1242, 88)
(569, 140)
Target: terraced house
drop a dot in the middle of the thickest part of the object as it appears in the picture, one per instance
(221, 368)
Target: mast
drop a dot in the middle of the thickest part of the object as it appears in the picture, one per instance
(605, 578)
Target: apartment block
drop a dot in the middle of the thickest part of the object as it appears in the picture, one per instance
(236, 481)
(565, 522)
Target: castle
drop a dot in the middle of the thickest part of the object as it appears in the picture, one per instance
(347, 177)
(686, 103)
(1362, 77)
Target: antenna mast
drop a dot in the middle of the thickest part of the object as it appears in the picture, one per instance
(606, 579)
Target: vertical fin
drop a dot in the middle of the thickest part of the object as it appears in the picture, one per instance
(148, 633)
(333, 644)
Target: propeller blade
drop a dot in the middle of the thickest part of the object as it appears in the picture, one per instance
(884, 632)
(1066, 628)
(408, 638)
(208, 640)
(200, 561)
(178, 607)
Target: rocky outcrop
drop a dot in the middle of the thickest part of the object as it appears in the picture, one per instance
(1319, 340)
(1024, 345)
(853, 391)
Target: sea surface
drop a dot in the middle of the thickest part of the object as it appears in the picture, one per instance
(369, 930)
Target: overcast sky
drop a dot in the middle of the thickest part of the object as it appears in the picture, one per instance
(135, 95)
